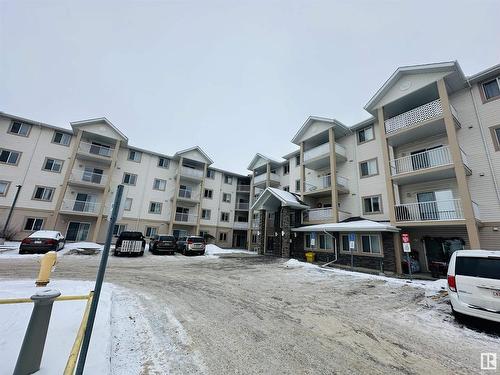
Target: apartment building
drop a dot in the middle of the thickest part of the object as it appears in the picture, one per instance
(67, 179)
(426, 163)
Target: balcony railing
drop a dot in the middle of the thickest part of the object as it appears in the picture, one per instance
(420, 114)
(317, 214)
(465, 160)
(240, 225)
(244, 188)
(450, 209)
(475, 208)
(242, 205)
(262, 177)
(89, 177)
(69, 205)
(188, 194)
(255, 224)
(325, 182)
(89, 148)
(186, 217)
(323, 149)
(191, 172)
(423, 160)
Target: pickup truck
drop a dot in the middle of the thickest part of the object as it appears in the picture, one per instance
(131, 243)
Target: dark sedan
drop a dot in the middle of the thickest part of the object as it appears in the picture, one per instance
(41, 242)
(163, 244)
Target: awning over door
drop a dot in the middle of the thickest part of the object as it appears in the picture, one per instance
(352, 226)
(271, 199)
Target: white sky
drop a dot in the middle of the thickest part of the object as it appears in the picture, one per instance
(234, 77)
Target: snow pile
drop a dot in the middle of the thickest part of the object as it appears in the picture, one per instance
(214, 249)
(294, 263)
(85, 248)
(11, 250)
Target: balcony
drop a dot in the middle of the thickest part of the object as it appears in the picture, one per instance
(317, 214)
(255, 224)
(242, 206)
(191, 173)
(90, 151)
(442, 210)
(80, 207)
(88, 179)
(187, 195)
(319, 157)
(322, 186)
(241, 225)
(186, 218)
(262, 178)
(243, 188)
(417, 115)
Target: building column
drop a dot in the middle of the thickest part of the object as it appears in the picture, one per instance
(202, 186)
(463, 187)
(286, 232)
(333, 175)
(398, 250)
(174, 199)
(302, 171)
(262, 232)
(250, 215)
(268, 174)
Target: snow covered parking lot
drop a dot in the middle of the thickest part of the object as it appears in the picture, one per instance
(232, 313)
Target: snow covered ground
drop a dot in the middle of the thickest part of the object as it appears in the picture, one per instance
(216, 250)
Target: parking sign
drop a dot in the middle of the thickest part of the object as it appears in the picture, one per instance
(352, 241)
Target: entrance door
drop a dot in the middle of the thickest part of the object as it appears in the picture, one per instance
(427, 206)
(77, 231)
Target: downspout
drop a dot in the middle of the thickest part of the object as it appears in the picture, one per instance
(334, 246)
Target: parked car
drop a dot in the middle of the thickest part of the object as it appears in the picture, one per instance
(191, 245)
(131, 243)
(474, 283)
(41, 242)
(162, 243)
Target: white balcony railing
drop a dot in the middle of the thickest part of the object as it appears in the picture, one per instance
(420, 114)
(317, 214)
(188, 194)
(465, 160)
(244, 188)
(240, 225)
(450, 209)
(69, 205)
(343, 182)
(89, 177)
(92, 149)
(242, 205)
(323, 149)
(260, 178)
(325, 182)
(191, 172)
(475, 208)
(422, 160)
(186, 217)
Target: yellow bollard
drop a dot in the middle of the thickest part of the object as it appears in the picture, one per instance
(48, 261)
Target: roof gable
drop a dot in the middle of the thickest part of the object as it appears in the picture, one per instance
(260, 160)
(315, 125)
(273, 198)
(101, 126)
(194, 153)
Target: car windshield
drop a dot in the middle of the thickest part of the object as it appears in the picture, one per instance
(488, 268)
(166, 238)
(131, 235)
(196, 239)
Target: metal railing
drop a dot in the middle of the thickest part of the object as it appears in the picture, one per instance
(416, 115)
(317, 214)
(80, 206)
(477, 212)
(422, 160)
(245, 188)
(465, 160)
(260, 178)
(188, 194)
(343, 182)
(323, 150)
(450, 209)
(242, 205)
(186, 217)
(191, 172)
(325, 182)
(90, 177)
(92, 149)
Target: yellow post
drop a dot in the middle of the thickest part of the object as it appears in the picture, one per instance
(48, 261)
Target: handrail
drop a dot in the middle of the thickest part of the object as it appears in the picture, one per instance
(94, 178)
(436, 157)
(93, 149)
(414, 116)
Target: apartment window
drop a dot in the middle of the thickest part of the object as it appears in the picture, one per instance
(297, 185)
(286, 168)
(224, 216)
(9, 157)
(372, 205)
(129, 178)
(344, 239)
(4, 188)
(370, 243)
(118, 229)
(325, 242)
(52, 165)
(43, 193)
(61, 138)
(366, 134)
(159, 184)
(33, 223)
(155, 207)
(208, 193)
(491, 89)
(307, 241)
(286, 188)
(163, 162)
(222, 236)
(228, 179)
(19, 128)
(210, 173)
(495, 135)
(127, 206)
(206, 214)
(226, 197)
(151, 231)
(368, 168)
(297, 160)
(134, 156)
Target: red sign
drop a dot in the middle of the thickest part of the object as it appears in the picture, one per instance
(405, 237)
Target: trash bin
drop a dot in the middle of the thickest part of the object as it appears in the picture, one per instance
(310, 257)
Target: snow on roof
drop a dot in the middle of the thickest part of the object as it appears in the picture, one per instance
(352, 226)
(45, 234)
(286, 198)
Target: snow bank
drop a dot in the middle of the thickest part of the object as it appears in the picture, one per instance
(11, 250)
(214, 249)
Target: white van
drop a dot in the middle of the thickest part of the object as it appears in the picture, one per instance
(474, 283)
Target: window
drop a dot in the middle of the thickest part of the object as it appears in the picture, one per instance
(368, 168)
(344, 238)
(370, 243)
(206, 214)
(254, 238)
(33, 223)
(61, 138)
(43, 193)
(151, 231)
(4, 187)
(228, 179)
(325, 242)
(495, 134)
(127, 206)
(52, 165)
(134, 156)
(486, 268)
(163, 162)
(155, 207)
(366, 134)
(222, 236)
(210, 173)
(297, 160)
(118, 229)
(286, 168)
(297, 185)
(307, 241)
(226, 197)
(491, 88)
(9, 157)
(159, 184)
(129, 178)
(19, 128)
(372, 205)
(286, 188)
(208, 193)
(224, 216)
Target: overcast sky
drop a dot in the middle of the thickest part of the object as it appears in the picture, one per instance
(235, 77)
